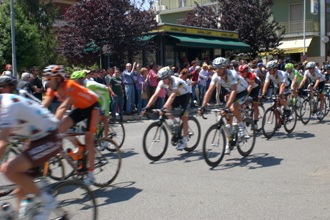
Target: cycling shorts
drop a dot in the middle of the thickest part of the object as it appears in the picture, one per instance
(43, 149)
(241, 97)
(182, 101)
(92, 114)
(254, 94)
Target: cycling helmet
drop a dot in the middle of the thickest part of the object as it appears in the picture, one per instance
(272, 64)
(242, 67)
(7, 81)
(327, 67)
(78, 74)
(310, 65)
(288, 66)
(219, 62)
(54, 70)
(164, 72)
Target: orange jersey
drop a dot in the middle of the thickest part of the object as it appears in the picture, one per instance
(81, 97)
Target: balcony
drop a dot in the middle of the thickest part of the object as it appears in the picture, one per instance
(181, 4)
(296, 27)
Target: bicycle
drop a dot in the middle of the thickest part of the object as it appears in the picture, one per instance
(327, 98)
(107, 163)
(310, 107)
(214, 143)
(274, 118)
(116, 131)
(72, 197)
(248, 105)
(155, 138)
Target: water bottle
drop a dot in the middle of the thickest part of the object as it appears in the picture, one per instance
(279, 110)
(8, 213)
(228, 126)
(235, 128)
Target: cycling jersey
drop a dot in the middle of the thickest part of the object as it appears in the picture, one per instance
(177, 84)
(81, 97)
(103, 93)
(232, 79)
(279, 78)
(251, 80)
(26, 117)
(315, 76)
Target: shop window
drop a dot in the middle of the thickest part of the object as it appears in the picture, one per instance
(169, 55)
(150, 58)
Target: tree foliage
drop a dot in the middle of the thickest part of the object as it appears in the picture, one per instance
(111, 25)
(251, 19)
(35, 39)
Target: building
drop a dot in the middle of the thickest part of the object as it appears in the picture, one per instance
(289, 13)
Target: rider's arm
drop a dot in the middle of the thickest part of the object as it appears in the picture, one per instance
(282, 88)
(62, 108)
(316, 83)
(264, 89)
(294, 82)
(170, 99)
(4, 134)
(48, 98)
(208, 94)
(232, 95)
(154, 97)
(302, 82)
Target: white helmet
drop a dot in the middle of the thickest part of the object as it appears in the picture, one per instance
(220, 62)
(310, 65)
(272, 64)
(164, 72)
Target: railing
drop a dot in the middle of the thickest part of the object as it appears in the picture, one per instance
(175, 4)
(295, 27)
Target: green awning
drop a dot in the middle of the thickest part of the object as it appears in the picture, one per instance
(146, 37)
(194, 41)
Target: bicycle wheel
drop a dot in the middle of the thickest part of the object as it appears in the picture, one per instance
(214, 145)
(107, 163)
(155, 141)
(290, 122)
(246, 145)
(74, 201)
(261, 109)
(56, 169)
(269, 123)
(194, 133)
(305, 111)
(117, 133)
(324, 111)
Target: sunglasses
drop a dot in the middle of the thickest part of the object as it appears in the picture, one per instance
(50, 78)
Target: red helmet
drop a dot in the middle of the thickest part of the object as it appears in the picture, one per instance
(242, 67)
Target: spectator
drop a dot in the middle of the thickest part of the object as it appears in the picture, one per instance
(143, 83)
(194, 63)
(129, 86)
(152, 77)
(108, 76)
(99, 76)
(36, 83)
(202, 79)
(116, 92)
(24, 83)
(194, 83)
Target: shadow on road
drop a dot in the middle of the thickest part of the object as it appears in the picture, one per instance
(254, 161)
(185, 156)
(298, 135)
(119, 192)
(125, 153)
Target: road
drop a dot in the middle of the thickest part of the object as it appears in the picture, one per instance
(287, 177)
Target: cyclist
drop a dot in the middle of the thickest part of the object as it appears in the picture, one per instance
(317, 83)
(295, 78)
(103, 93)
(280, 81)
(23, 118)
(237, 88)
(253, 89)
(179, 96)
(86, 107)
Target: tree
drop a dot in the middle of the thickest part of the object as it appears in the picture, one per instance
(251, 19)
(111, 25)
(27, 38)
(35, 38)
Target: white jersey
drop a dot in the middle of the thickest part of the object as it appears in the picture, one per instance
(315, 76)
(177, 84)
(278, 79)
(26, 118)
(232, 79)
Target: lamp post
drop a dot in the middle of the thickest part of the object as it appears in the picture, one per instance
(304, 29)
(13, 41)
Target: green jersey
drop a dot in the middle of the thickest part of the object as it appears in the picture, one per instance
(103, 93)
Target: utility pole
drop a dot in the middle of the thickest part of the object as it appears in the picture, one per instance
(13, 41)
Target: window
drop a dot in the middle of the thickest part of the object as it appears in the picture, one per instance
(182, 3)
(169, 55)
(296, 18)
